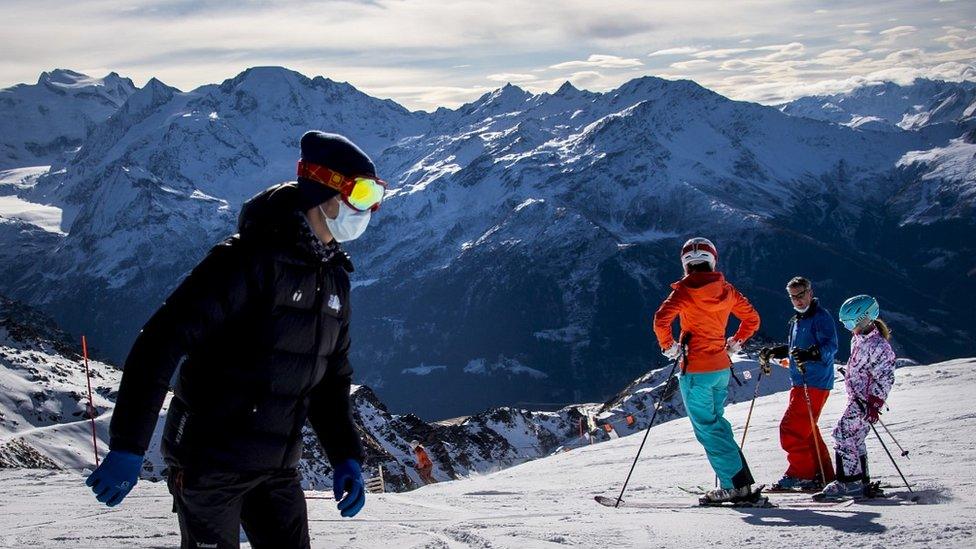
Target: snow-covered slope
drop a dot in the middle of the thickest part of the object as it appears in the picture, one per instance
(40, 123)
(43, 392)
(549, 502)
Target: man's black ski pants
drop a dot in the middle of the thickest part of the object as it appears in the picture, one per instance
(212, 507)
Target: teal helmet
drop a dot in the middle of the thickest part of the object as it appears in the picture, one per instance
(857, 310)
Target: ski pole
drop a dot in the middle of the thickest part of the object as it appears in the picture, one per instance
(815, 431)
(91, 405)
(667, 384)
(755, 395)
(891, 458)
(904, 452)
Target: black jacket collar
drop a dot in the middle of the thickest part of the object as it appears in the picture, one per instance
(811, 310)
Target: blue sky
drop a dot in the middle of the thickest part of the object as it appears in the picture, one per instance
(425, 54)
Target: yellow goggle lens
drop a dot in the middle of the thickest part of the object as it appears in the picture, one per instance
(365, 193)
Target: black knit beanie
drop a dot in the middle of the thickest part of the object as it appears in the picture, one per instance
(336, 153)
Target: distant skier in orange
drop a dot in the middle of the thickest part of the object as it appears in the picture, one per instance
(424, 465)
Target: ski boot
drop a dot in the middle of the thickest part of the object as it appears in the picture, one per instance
(873, 490)
(793, 484)
(840, 490)
(744, 496)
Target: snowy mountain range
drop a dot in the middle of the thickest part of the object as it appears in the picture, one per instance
(888, 106)
(528, 238)
(43, 122)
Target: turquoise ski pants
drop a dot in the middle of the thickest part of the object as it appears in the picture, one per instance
(704, 396)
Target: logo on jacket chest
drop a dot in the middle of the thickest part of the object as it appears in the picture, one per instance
(334, 303)
(297, 296)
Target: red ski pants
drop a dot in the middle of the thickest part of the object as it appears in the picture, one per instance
(798, 437)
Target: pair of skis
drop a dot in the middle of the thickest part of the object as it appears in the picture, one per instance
(761, 502)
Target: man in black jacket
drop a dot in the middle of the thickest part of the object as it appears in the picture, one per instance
(260, 332)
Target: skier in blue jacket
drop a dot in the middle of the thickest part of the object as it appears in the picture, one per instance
(811, 348)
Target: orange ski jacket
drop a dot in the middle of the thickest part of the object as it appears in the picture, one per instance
(703, 302)
(423, 460)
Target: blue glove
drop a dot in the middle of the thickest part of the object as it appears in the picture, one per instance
(348, 477)
(115, 477)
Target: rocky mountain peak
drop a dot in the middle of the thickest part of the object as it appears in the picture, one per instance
(62, 76)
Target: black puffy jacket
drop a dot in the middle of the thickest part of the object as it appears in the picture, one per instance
(261, 328)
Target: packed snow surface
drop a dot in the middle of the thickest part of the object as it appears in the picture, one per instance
(549, 502)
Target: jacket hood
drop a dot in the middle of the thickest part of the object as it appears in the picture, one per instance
(708, 290)
(275, 218)
(271, 214)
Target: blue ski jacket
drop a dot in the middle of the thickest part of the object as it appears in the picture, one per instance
(814, 326)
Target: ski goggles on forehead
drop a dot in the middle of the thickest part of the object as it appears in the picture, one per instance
(360, 193)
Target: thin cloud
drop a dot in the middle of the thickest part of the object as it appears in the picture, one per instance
(685, 50)
(429, 98)
(584, 78)
(786, 51)
(511, 77)
(720, 53)
(685, 65)
(895, 33)
(736, 65)
(845, 52)
(599, 61)
(904, 55)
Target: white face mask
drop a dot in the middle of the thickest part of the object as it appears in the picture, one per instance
(348, 225)
(799, 310)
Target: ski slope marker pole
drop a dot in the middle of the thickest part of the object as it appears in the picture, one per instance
(91, 404)
(657, 407)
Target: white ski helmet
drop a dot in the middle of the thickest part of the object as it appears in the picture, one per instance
(414, 444)
(698, 250)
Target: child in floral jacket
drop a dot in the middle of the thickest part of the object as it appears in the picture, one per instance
(868, 379)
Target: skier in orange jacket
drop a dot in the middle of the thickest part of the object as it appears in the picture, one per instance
(703, 301)
(424, 465)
